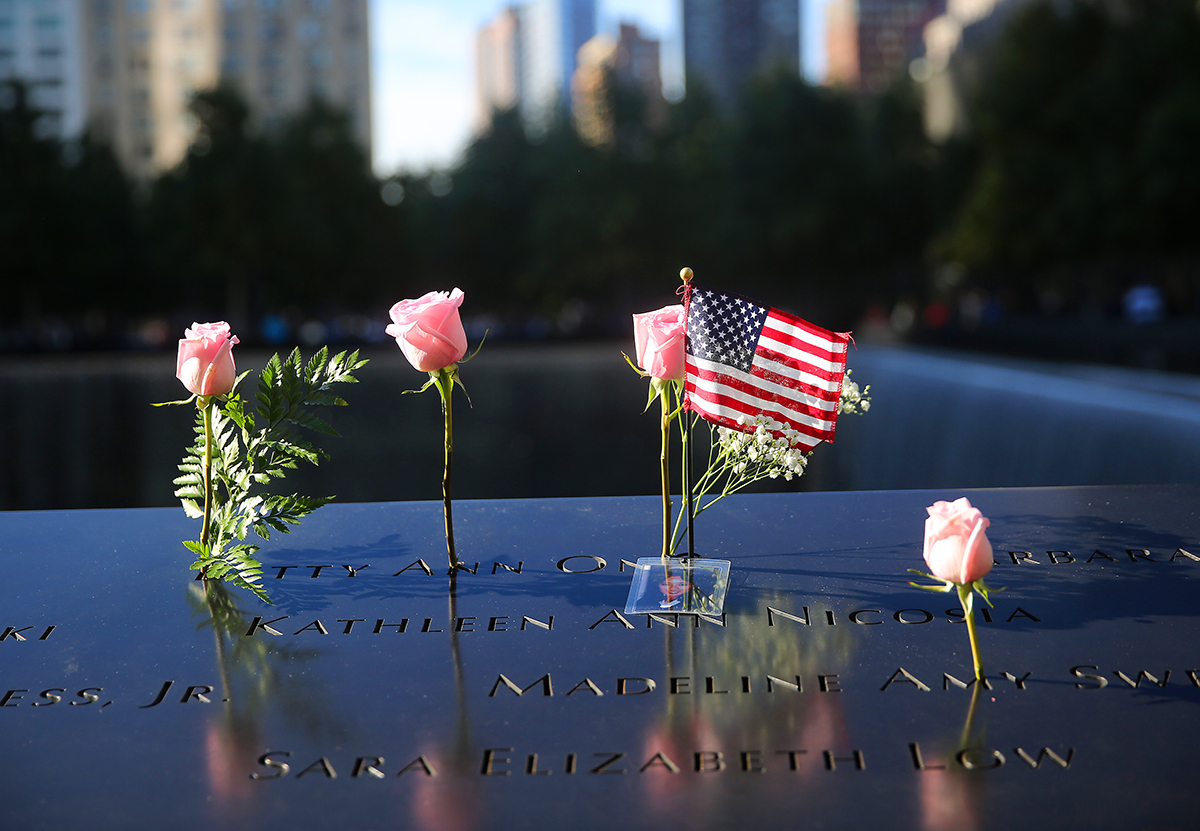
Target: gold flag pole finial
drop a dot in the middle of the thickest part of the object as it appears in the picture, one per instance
(686, 274)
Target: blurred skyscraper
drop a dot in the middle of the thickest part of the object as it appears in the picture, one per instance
(283, 53)
(41, 42)
(728, 42)
(869, 43)
(551, 33)
(954, 47)
(128, 68)
(498, 65)
(629, 61)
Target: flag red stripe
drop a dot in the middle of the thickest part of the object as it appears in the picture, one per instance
(798, 365)
(768, 405)
(808, 438)
(704, 396)
(789, 381)
(766, 394)
(811, 328)
(803, 346)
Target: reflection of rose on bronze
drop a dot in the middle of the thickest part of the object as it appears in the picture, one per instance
(450, 800)
(778, 738)
(952, 797)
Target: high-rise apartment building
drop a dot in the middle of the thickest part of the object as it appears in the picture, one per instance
(128, 68)
(727, 42)
(283, 53)
(869, 43)
(632, 63)
(498, 66)
(142, 61)
(41, 43)
(552, 31)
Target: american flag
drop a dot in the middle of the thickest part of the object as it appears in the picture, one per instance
(744, 359)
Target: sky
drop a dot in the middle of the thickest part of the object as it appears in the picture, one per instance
(423, 69)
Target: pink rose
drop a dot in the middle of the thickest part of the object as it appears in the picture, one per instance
(658, 342)
(956, 545)
(429, 331)
(205, 363)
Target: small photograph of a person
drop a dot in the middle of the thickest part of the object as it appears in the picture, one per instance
(695, 586)
(673, 588)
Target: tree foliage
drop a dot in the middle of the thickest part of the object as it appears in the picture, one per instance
(1079, 153)
(1086, 132)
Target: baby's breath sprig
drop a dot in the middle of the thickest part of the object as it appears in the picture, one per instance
(763, 448)
(854, 400)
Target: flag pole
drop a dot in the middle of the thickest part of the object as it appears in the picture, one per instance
(686, 275)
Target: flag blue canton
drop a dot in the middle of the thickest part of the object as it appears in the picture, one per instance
(723, 328)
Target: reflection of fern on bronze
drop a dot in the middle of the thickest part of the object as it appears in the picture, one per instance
(245, 450)
(254, 678)
(250, 656)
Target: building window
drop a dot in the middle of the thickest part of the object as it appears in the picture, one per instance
(318, 58)
(271, 32)
(308, 31)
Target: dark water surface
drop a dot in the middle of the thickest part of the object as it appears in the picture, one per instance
(566, 420)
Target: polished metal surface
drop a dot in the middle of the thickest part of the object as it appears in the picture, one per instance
(830, 695)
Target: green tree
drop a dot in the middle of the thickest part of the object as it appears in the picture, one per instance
(831, 190)
(250, 222)
(330, 230)
(1085, 126)
(209, 218)
(66, 219)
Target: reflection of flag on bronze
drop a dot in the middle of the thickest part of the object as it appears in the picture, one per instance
(743, 359)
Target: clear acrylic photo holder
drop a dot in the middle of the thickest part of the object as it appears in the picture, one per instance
(680, 585)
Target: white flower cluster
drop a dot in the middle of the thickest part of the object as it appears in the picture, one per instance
(854, 400)
(767, 450)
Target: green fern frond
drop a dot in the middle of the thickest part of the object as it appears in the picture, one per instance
(249, 450)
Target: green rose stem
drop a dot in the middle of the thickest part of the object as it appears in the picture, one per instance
(444, 379)
(967, 597)
(205, 404)
(664, 463)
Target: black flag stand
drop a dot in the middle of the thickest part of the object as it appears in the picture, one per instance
(686, 275)
(687, 486)
(700, 590)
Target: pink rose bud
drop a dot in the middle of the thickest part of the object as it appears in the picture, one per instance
(956, 545)
(429, 331)
(658, 342)
(205, 363)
